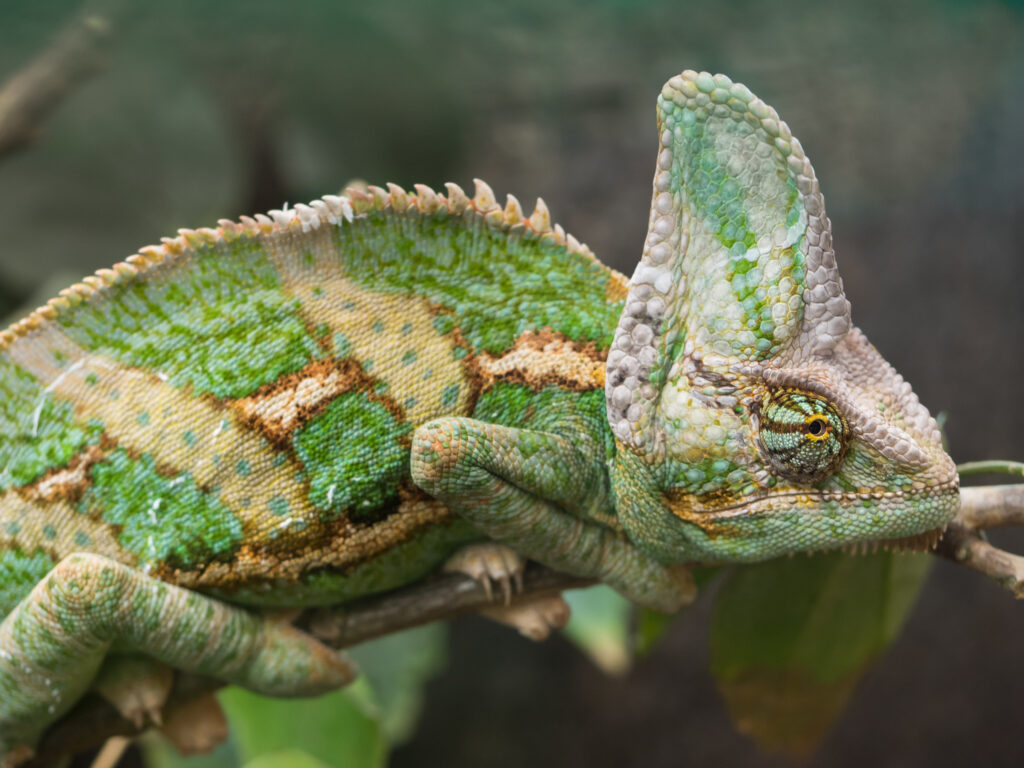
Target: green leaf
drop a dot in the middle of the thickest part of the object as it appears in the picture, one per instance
(790, 639)
(397, 667)
(599, 626)
(287, 758)
(338, 729)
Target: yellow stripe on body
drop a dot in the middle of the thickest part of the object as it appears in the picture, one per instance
(144, 414)
(55, 527)
(391, 335)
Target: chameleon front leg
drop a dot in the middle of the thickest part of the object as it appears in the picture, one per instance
(528, 489)
(56, 639)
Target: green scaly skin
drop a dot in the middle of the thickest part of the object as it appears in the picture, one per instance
(329, 402)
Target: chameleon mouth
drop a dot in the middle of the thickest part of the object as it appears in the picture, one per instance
(771, 503)
(922, 542)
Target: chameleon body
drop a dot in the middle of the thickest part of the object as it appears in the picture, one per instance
(330, 401)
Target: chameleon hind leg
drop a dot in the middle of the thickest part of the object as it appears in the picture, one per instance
(55, 641)
(528, 489)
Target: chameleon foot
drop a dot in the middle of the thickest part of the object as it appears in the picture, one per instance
(488, 563)
(197, 727)
(137, 687)
(535, 618)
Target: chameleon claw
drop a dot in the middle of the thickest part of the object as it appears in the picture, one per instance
(488, 563)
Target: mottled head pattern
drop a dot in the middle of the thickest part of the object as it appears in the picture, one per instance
(768, 423)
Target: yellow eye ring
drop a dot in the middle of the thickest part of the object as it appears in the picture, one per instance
(816, 427)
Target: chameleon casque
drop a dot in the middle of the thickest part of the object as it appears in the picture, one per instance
(335, 399)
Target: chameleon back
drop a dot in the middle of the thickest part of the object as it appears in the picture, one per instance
(233, 410)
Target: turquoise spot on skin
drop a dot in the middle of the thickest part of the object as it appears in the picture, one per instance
(190, 438)
(409, 357)
(342, 347)
(38, 431)
(459, 352)
(49, 532)
(318, 291)
(143, 419)
(380, 387)
(406, 329)
(92, 379)
(278, 506)
(203, 324)
(409, 403)
(495, 285)
(353, 454)
(279, 459)
(450, 396)
(243, 468)
(162, 519)
(13, 528)
(19, 573)
(378, 326)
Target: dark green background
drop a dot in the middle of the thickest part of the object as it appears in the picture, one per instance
(913, 113)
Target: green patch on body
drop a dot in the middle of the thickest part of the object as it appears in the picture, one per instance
(354, 455)
(707, 476)
(19, 573)
(162, 520)
(37, 431)
(220, 323)
(497, 285)
(729, 206)
(552, 409)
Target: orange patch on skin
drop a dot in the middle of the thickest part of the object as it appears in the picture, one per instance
(699, 510)
(67, 483)
(342, 545)
(280, 407)
(544, 358)
(618, 286)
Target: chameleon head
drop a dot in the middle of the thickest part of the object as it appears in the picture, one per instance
(751, 418)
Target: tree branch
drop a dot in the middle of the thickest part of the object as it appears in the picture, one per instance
(29, 96)
(982, 508)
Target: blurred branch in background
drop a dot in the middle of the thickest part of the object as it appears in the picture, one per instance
(31, 94)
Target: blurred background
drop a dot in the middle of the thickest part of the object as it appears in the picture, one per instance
(912, 112)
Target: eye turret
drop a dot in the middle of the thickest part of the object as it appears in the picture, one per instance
(803, 436)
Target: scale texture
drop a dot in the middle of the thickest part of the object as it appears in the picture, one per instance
(335, 399)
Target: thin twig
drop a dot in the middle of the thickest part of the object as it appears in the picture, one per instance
(29, 95)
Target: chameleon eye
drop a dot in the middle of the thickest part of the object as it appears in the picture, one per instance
(802, 435)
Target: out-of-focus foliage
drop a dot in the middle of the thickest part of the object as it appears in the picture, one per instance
(354, 727)
(790, 638)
